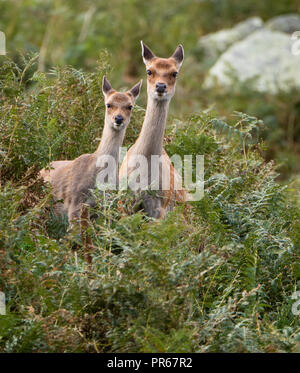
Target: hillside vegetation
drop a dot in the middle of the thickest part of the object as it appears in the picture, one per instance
(67, 32)
(217, 276)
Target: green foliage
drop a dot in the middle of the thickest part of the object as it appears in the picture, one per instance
(215, 277)
(61, 117)
(66, 32)
(69, 32)
(281, 116)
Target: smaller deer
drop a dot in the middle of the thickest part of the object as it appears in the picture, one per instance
(72, 180)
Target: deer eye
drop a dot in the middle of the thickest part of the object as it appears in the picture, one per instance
(149, 72)
(108, 105)
(129, 107)
(175, 74)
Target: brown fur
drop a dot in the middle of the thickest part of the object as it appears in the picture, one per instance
(72, 180)
(150, 140)
(162, 71)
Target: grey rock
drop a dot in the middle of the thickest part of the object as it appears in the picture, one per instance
(214, 44)
(288, 23)
(264, 58)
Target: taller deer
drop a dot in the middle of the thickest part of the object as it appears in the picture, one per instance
(161, 83)
(72, 180)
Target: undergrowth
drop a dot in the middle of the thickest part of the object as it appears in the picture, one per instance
(217, 276)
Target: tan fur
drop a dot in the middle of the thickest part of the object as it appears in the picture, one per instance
(72, 181)
(150, 140)
(162, 70)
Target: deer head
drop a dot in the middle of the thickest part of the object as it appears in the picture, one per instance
(162, 72)
(119, 105)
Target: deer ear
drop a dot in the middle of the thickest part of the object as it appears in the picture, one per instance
(146, 53)
(106, 87)
(178, 55)
(135, 91)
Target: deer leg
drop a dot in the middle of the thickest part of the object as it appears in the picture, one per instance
(86, 239)
(79, 217)
(152, 205)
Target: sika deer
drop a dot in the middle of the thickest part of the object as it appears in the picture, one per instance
(161, 83)
(72, 180)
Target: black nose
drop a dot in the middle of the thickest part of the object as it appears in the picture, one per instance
(161, 87)
(119, 119)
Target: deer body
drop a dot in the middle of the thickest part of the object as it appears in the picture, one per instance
(161, 87)
(72, 180)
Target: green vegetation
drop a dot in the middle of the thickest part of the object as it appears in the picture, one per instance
(215, 277)
(73, 32)
(67, 32)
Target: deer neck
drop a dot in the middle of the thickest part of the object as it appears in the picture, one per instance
(150, 141)
(111, 141)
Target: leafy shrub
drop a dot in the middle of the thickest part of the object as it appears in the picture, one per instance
(215, 277)
(69, 33)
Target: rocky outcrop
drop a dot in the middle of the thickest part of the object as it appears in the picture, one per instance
(211, 46)
(288, 23)
(264, 58)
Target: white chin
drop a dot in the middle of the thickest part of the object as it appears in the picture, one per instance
(117, 126)
(161, 96)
